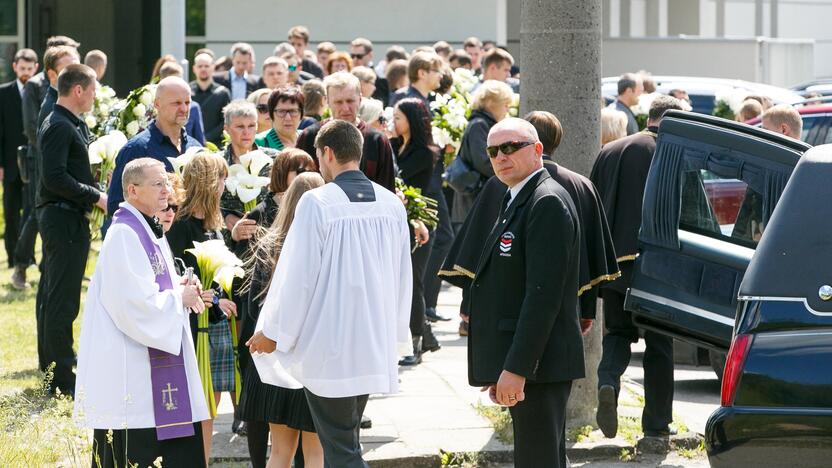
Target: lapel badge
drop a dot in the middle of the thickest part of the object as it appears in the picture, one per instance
(505, 244)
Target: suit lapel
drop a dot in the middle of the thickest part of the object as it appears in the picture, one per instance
(504, 221)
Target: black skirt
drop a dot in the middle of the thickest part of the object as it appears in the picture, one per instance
(277, 405)
(141, 447)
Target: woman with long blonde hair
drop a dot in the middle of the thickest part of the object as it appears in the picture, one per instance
(198, 219)
(285, 410)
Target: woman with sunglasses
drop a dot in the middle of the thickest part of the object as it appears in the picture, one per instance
(285, 107)
(268, 409)
(260, 99)
(416, 155)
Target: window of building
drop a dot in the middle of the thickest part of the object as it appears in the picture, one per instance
(194, 27)
(725, 209)
(10, 38)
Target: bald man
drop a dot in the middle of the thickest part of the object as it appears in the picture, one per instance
(783, 119)
(165, 136)
(525, 345)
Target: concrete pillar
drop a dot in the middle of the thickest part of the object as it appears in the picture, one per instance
(560, 47)
(652, 19)
(774, 13)
(625, 13)
(173, 27)
(758, 18)
(720, 18)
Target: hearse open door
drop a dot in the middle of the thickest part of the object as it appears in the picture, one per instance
(712, 187)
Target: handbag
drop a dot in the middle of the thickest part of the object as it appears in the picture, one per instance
(462, 177)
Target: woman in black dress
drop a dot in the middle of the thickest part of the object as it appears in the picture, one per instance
(266, 408)
(416, 156)
(198, 219)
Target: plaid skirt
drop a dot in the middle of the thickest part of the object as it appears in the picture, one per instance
(222, 356)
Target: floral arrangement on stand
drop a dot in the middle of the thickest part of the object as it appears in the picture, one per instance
(212, 257)
(137, 110)
(102, 155)
(102, 119)
(727, 103)
(451, 112)
(247, 179)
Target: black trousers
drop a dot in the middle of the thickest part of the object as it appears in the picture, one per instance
(139, 447)
(25, 249)
(443, 239)
(337, 421)
(539, 423)
(66, 244)
(12, 204)
(418, 262)
(658, 361)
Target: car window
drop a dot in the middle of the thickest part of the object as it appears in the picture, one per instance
(722, 208)
(809, 122)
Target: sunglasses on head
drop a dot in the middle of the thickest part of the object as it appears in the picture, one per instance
(262, 108)
(171, 208)
(507, 148)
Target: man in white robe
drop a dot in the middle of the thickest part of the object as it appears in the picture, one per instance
(339, 303)
(138, 384)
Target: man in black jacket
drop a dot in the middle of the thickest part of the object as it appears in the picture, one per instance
(238, 80)
(11, 137)
(525, 343)
(210, 96)
(620, 174)
(67, 192)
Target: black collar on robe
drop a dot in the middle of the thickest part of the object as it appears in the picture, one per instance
(153, 222)
(597, 256)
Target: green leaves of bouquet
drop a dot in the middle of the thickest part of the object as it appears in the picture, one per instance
(418, 206)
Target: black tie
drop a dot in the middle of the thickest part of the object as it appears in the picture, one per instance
(506, 200)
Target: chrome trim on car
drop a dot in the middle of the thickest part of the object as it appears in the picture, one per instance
(682, 306)
(787, 299)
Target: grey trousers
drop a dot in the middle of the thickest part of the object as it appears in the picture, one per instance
(337, 422)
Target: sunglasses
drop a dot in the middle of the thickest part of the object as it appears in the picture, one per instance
(293, 68)
(358, 56)
(171, 208)
(507, 148)
(262, 108)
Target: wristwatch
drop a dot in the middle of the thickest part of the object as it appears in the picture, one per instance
(216, 299)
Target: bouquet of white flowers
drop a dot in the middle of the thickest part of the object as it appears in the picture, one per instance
(212, 257)
(642, 109)
(137, 110)
(246, 180)
(102, 155)
(451, 112)
(727, 103)
(102, 119)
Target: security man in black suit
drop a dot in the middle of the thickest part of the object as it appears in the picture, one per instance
(524, 343)
(25, 65)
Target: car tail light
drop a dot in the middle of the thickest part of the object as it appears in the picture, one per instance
(734, 363)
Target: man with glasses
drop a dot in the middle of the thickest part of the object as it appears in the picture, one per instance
(210, 96)
(361, 52)
(525, 345)
(424, 72)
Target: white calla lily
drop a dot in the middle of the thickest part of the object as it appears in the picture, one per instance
(255, 161)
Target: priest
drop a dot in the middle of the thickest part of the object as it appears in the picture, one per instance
(339, 301)
(138, 383)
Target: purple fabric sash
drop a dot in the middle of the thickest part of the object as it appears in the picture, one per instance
(168, 380)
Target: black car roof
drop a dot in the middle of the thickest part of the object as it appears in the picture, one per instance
(681, 117)
(792, 258)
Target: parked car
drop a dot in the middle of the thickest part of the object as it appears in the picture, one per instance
(822, 86)
(712, 187)
(703, 91)
(817, 120)
(776, 403)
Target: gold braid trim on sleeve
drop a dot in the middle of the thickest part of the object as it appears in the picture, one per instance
(457, 271)
(597, 281)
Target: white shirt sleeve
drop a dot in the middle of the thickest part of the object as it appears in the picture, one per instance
(130, 296)
(287, 303)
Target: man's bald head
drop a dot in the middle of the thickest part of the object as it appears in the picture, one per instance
(515, 150)
(173, 102)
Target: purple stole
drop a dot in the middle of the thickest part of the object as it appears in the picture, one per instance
(168, 380)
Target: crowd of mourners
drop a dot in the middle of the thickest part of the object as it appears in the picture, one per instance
(283, 110)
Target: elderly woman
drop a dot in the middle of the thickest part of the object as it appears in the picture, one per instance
(367, 77)
(339, 61)
(490, 105)
(285, 108)
(260, 99)
(613, 125)
(371, 112)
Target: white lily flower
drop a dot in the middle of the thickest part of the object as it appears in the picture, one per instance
(90, 121)
(235, 169)
(97, 150)
(139, 110)
(225, 276)
(146, 98)
(181, 161)
(255, 161)
(231, 184)
(132, 128)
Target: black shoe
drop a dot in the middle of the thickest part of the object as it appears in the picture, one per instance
(432, 316)
(607, 414)
(239, 427)
(429, 341)
(463, 328)
(664, 433)
(366, 422)
(416, 357)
